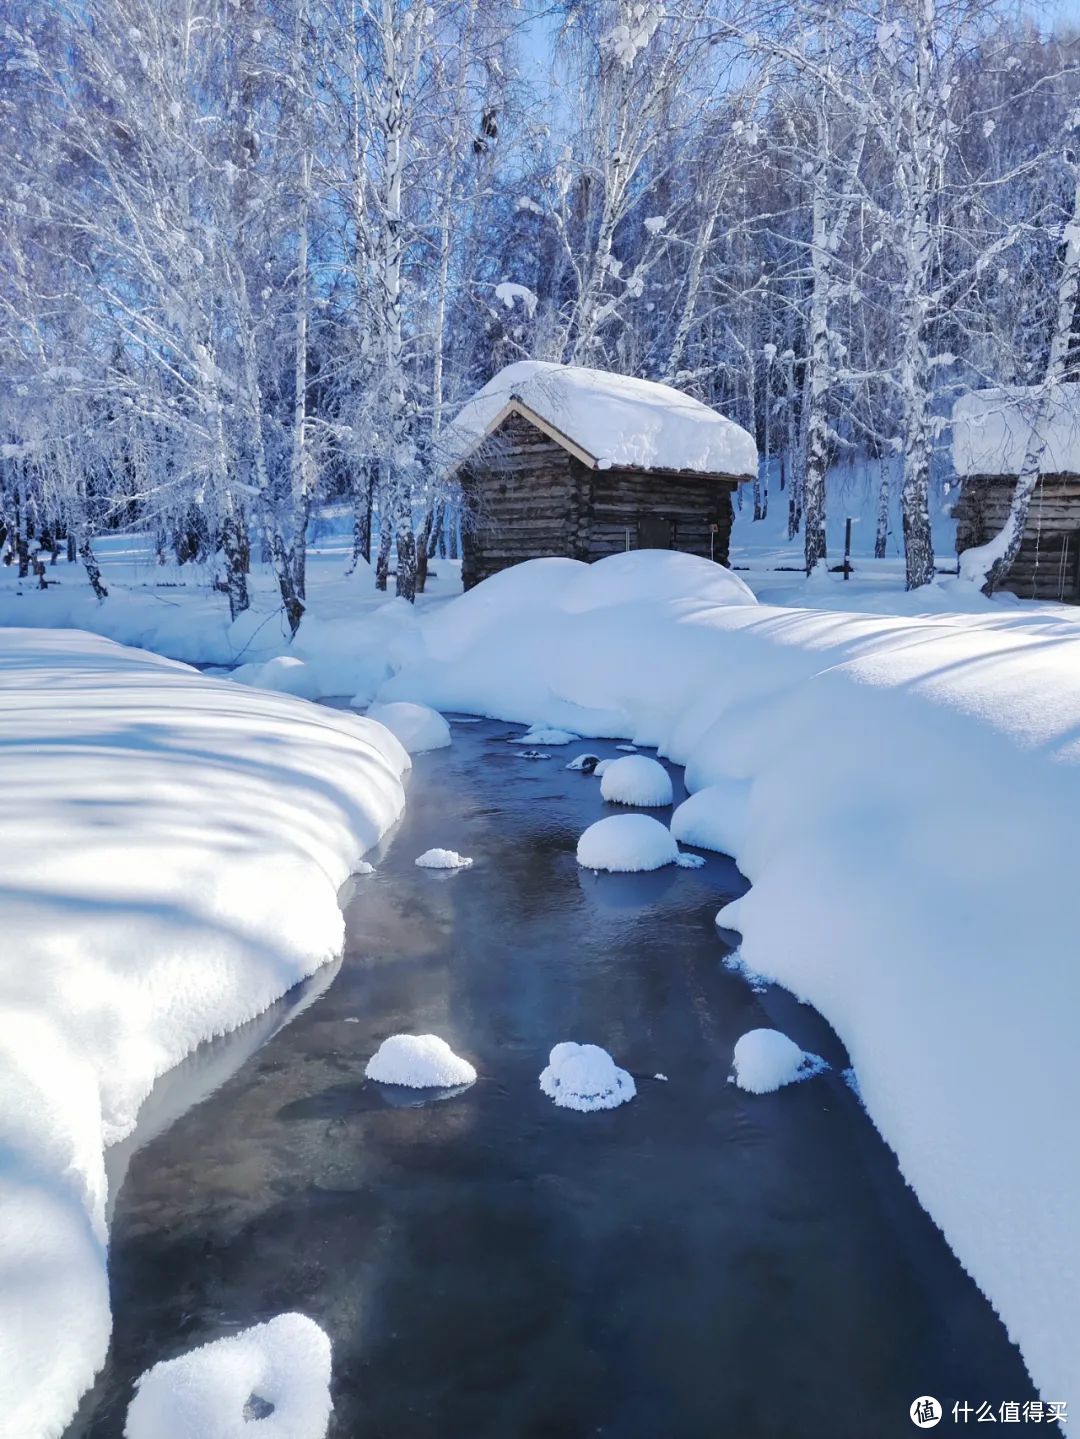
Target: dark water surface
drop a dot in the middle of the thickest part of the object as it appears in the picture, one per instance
(699, 1262)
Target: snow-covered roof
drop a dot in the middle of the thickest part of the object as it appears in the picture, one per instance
(992, 430)
(608, 421)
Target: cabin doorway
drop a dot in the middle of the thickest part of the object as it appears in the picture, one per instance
(655, 532)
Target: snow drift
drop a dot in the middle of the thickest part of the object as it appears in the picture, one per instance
(420, 1061)
(713, 818)
(417, 727)
(912, 793)
(173, 848)
(284, 1363)
(586, 1078)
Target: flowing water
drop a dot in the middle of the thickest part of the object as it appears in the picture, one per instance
(699, 1262)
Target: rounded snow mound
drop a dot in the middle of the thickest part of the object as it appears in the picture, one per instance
(652, 577)
(714, 818)
(421, 1061)
(602, 768)
(636, 779)
(443, 859)
(417, 727)
(585, 1077)
(626, 844)
(280, 1369)
(766, 1060)
(285, 673)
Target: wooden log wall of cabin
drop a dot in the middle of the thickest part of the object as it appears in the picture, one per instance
(694, 503)
(522, 493)
(1046, 566)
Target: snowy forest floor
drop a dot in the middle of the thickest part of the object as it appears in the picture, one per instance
(174, 611)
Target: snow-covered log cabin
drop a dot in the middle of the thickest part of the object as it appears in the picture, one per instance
(995, 433)
(561, 460)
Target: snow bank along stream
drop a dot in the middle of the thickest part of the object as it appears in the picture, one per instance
(485, 1261)
(904, 796)
(173, 850)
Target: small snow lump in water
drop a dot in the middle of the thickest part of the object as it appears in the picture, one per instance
(420, 1061)
(637, 779)
(585, 1077)
(626, 844)
(766, 1060)
(280, 1370)
(443, 859)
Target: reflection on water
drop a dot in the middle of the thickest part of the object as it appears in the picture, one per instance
(204, 1071)
(699, 1262)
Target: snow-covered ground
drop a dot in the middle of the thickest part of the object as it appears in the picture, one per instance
(354, 637)
(174, 845)
(347, 642)
(900, 785)
(906, 809)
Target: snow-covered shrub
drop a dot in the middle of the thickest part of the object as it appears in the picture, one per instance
(636, 779)
(443, 859)
(585, 1077)
(626, 844)
(766, 1060)
(713, 818)
(421, 1061)
(418, 727)
(205, 1394)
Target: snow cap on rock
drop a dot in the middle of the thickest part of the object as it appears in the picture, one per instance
(626, 844)
(285, 1363)
(766, 1060)
(420, 1061)
(585, 1077)
(443, 859)
(637, 779)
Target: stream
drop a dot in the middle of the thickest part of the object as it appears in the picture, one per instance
(699, 1262)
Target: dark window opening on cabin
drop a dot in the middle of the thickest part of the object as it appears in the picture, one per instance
(656, 532)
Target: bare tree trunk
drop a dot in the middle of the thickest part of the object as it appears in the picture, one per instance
(423, 549)
(93, 570)
(406, 547)
(363, 486)
(795, 486)
(386, 538)
(881, 533)
(233, 545)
